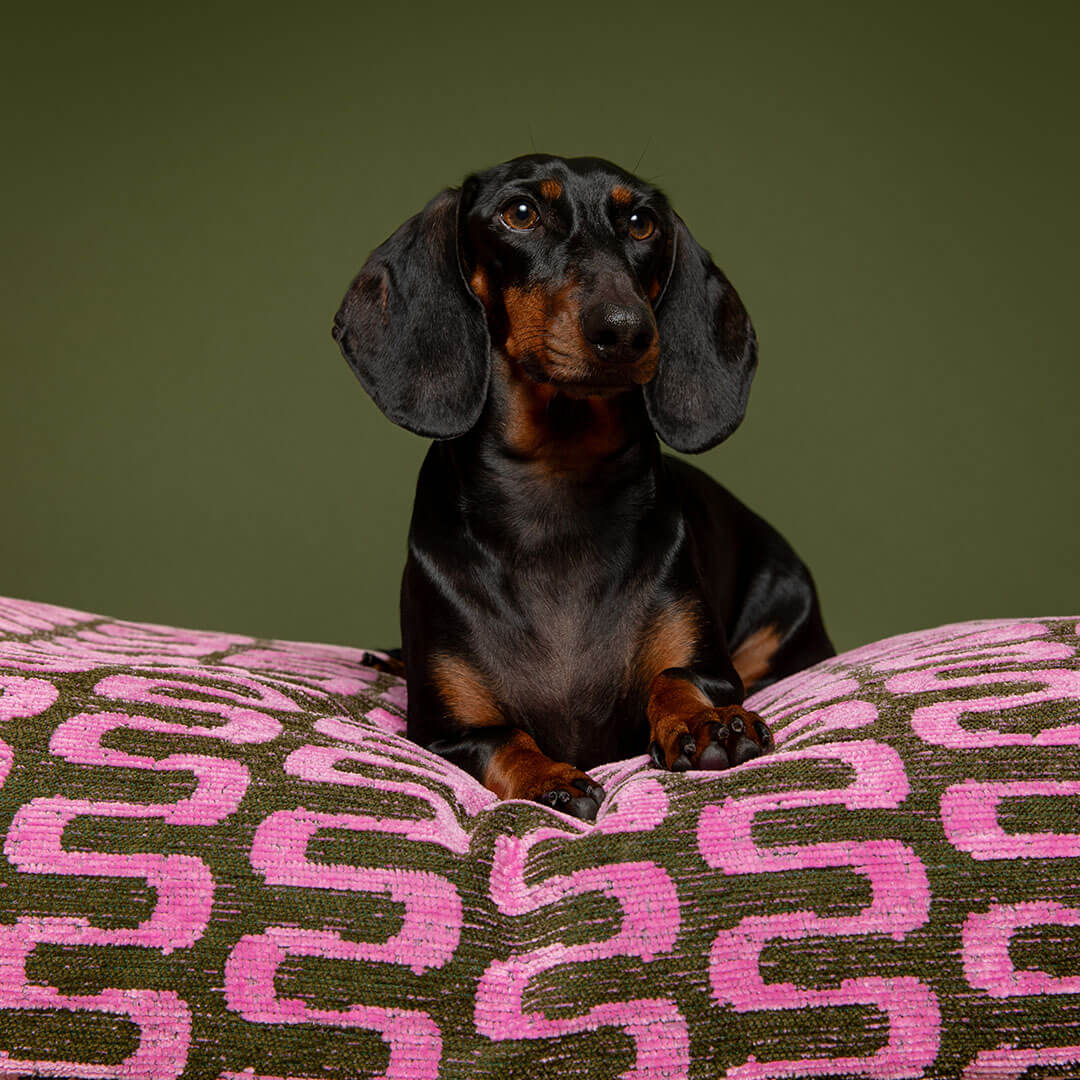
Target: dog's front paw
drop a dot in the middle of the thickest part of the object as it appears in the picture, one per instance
(518, 769)
(714, 738)
(568, 790)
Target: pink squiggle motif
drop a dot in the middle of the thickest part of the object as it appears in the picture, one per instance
(175, 639)
(974, 640)
(7, 759)
(939, 723)
(932, 665)
(319, 763)
(346, 655)
(649, 927)
(388, 751)
(804, 728)
(842, 716)
(22, 698)
(430, 927)
(237, 705)
(243, 726)
(162, 1017)
(183, 883)
(386, 720)
(1010, 1063)
(116, 643)
(221, 782)
(251, 971)
(900, 902)
(397, 696)
(334, 669)
(31, 656)
(814, 687)
(432, 918)
(614, 774)
(969, 817)
(29, 616)
(250, 1074)
(986, 936)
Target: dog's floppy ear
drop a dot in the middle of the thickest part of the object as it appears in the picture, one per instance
(708, 352)
(412, 331)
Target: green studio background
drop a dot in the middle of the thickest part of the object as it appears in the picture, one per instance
(892, 189)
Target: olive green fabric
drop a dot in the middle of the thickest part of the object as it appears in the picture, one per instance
(223, 859)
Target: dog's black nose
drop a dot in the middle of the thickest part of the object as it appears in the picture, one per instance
(619, 332)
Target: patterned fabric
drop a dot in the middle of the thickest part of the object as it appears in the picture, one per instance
(223, 859)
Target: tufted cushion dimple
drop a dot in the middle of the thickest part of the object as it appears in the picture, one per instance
(223, 859)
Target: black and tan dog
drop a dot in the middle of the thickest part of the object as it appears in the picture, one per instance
(571, 595)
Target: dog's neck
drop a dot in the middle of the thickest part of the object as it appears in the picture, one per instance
(559, 428)
(540, 457)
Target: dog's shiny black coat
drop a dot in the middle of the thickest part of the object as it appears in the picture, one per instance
(546, 322)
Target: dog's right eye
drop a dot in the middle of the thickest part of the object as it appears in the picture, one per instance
(520, 214)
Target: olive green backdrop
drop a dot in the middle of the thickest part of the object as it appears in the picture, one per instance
(892, 188)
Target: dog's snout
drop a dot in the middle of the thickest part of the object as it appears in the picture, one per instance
(619, 332)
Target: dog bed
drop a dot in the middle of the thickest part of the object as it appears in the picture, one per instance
(223, 859)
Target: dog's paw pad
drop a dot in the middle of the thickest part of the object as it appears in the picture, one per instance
(714, 739)
(576, 795)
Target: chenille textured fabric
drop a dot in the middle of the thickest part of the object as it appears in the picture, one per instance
(222, 859)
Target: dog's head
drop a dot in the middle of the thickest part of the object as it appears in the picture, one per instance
(575, 270)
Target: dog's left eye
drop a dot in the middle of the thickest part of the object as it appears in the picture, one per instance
(520, 214)
(642, 224)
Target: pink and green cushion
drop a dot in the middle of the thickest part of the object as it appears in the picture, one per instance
(224, 860)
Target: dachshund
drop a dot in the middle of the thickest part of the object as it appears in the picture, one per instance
(572, 596)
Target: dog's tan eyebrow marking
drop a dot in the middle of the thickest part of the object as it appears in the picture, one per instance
(550, 188)
(621, 196)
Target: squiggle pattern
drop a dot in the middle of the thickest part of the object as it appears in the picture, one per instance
(969, 809)
(223, 861)
(650, 922)
(431, 921)
(184, 884)
(900, 902)
(649, 927)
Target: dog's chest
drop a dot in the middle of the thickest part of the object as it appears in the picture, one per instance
(565, 645)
